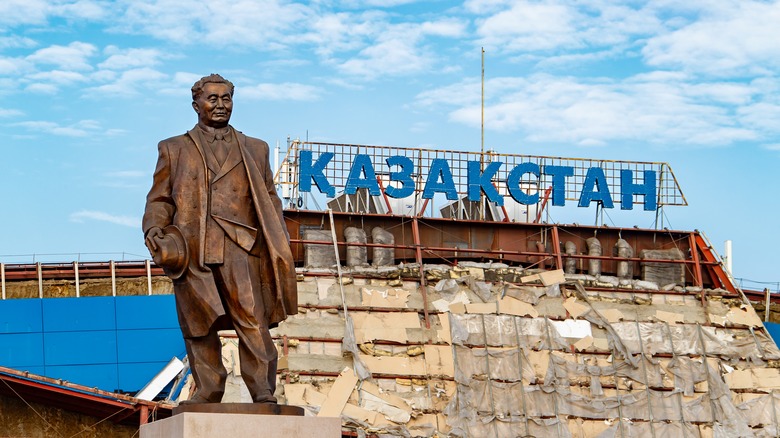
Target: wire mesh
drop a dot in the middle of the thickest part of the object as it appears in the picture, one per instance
(338, 169)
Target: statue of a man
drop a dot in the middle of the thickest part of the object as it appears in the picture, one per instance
(213, 222)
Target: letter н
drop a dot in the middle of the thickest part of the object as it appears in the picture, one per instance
(628, 189)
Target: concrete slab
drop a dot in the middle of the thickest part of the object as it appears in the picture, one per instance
(207, 425)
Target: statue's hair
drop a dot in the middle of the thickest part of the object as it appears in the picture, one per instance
(213, 78)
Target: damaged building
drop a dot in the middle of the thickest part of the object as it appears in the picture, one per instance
(474, 325)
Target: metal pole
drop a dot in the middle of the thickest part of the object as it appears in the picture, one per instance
(768, 302)
(276, 158)
(148, 276)
(482, 139)
(76, 271)
(423, 282)
(727, 246)
(338, 263)
(113, 278)
(40, 279)
(144, 415)
(2, 279)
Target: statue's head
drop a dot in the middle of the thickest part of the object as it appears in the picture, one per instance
(213, 78)
(212, 99)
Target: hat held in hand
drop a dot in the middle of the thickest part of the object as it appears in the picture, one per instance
(171, 254)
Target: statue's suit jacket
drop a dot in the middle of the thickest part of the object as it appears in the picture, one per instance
(180, 196)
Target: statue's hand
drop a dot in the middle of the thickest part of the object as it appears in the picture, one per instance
(151, 235)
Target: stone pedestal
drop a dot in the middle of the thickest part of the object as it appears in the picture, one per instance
(227, 425)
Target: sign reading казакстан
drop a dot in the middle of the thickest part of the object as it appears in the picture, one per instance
(480, 179)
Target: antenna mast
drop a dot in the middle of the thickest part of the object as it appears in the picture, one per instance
(482, 143)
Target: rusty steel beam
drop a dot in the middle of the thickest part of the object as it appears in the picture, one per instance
(423, 282)
(512, 243)
(90, 401)
(557, 247)
(424, 239)
(715, 270)
(19, 272)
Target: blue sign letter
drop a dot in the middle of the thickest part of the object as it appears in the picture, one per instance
(595, 179)
(404, 177)
(628, 189)
(559, 174)
(513, 183)
(440, 169)
(309, 171)
(483, 182)
(362, 166)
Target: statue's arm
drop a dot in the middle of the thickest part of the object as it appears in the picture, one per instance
(160, 207)
(271, 188)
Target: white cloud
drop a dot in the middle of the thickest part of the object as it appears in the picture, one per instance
(763, 116)
(485, 6)
(82, 9)
(128, 83)
(6, 112)
(567, 59)
(82, 128)
(383, 46)
(20, 12)
(122, 59)
(282, 91)
(12, 66)
(376, 3)
(74, 56)
(661, 109)
(530, 26)
(554, 25)
(216, 23)
(16, 42)
(400, 49)
(16, 13)
(733, 38)
(338, 32)
(127, 221)
(59, 77)
(451, 28)
(388, 57)
(40, 88)
(186, 78)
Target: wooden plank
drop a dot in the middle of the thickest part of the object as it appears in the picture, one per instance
(339, 394)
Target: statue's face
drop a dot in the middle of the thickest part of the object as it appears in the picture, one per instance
(214, 105)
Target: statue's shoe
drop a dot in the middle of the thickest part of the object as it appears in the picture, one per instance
(196, 400)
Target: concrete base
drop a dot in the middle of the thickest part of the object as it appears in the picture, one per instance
(239, 408)
(206, 425)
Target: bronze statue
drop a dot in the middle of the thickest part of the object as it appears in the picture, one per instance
(213, 222)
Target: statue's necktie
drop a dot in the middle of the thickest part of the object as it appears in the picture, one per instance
(220, 147)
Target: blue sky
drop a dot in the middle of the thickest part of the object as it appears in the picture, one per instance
(89, 87)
